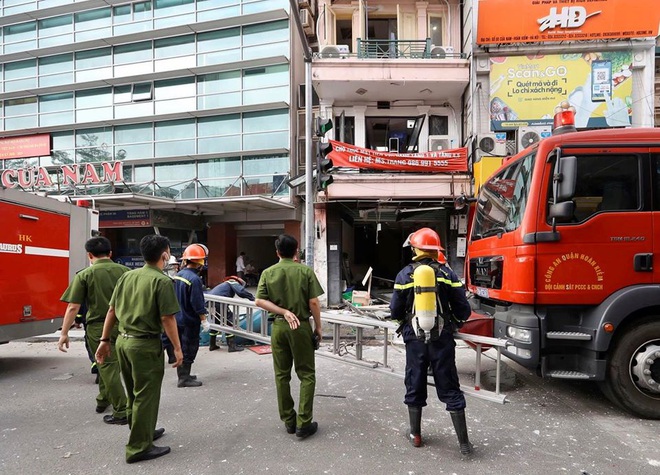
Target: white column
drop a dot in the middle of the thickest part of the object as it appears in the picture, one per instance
(422, 20)
(360, 131)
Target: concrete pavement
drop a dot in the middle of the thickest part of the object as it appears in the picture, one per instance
(230, 424)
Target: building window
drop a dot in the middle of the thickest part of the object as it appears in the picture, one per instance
(142, 92)
(438, 125)
(56, 70)
(436, 30)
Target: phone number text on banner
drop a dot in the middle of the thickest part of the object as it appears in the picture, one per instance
(346, 155)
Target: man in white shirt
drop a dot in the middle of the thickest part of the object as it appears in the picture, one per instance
(240, 265)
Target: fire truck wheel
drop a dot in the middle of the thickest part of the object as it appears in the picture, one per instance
(633, 371)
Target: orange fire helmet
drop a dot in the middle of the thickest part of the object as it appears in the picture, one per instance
(425, 238)
(195, 253)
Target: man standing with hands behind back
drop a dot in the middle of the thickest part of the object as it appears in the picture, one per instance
(144, 303)
(289, 292)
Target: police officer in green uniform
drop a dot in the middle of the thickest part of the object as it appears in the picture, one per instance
(289, 292)
(144, 303)
(94, 286)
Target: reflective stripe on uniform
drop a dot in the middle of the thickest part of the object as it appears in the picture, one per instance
(439, 279)
(403, 286)
(449, 282)
(185, 281)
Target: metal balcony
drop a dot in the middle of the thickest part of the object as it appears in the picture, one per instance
(395, 49)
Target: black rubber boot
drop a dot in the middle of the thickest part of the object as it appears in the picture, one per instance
(415, 435)
(213, 345)
(458, 418)
(171, 359)
(232, 346)
(185, 381)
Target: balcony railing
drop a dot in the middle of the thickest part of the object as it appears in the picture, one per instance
(393, 49)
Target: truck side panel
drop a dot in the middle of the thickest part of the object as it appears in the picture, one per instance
(34, 254)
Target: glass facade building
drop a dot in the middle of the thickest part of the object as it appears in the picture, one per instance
(191, 96)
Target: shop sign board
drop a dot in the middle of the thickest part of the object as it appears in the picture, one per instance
(70, 175)
(132, 262)
(525, 90)
(25, 146)
(347, 155)
(131, 218)
(537, 21)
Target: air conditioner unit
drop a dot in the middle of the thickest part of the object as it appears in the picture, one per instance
(334, 51)
(440, 142)
(526, 136)
(307, 20)
(439, 52)
(493, 144)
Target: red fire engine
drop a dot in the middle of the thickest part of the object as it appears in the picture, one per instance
(561, 254)
(42, 245)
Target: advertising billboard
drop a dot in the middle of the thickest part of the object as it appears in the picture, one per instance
(537, 21)
(525, 90)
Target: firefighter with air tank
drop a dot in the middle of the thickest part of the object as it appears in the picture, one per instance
(430, 303)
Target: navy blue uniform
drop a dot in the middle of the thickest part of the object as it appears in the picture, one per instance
(440, 352)
(230, 288)
(190, 294)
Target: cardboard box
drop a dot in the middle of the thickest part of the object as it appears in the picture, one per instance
(361, 298)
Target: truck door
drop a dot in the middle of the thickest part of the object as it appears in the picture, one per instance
(655, 178)
(601, 248)
(35, 263)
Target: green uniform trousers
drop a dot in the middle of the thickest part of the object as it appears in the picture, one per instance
(293, 347)
(142, 366)
(111, 391)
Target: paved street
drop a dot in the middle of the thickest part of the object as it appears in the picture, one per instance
(230, 425)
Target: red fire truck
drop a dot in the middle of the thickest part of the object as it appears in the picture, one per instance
(561, 254)
(41, 247)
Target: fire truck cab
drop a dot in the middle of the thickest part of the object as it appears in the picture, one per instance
(562, 250)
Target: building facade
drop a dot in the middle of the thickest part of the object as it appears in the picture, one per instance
(391, 75)
(171, 115)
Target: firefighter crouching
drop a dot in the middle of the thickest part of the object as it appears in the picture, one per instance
(429, 301)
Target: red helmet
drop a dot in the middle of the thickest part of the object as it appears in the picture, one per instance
(425, 238)
(195, 253)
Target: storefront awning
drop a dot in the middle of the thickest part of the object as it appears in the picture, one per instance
(204, 206)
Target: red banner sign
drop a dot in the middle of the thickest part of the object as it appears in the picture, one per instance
(26, 146)
(346, 155)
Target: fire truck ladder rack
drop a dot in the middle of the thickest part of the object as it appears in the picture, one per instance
(244, 326)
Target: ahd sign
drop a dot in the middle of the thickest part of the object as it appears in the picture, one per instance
(561, 20)
(68, 175)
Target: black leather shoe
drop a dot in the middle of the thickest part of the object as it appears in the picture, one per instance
(290, 429)
(153, 453)
(158, 433)
(306, 431)
(100, 408)
(120, 421)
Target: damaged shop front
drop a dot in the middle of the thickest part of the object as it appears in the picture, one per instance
(374, 202)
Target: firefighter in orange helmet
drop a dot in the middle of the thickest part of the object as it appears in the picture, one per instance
(428, 331)
(190, 294)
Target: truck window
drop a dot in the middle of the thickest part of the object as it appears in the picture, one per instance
(605, 183)
(503, 199)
